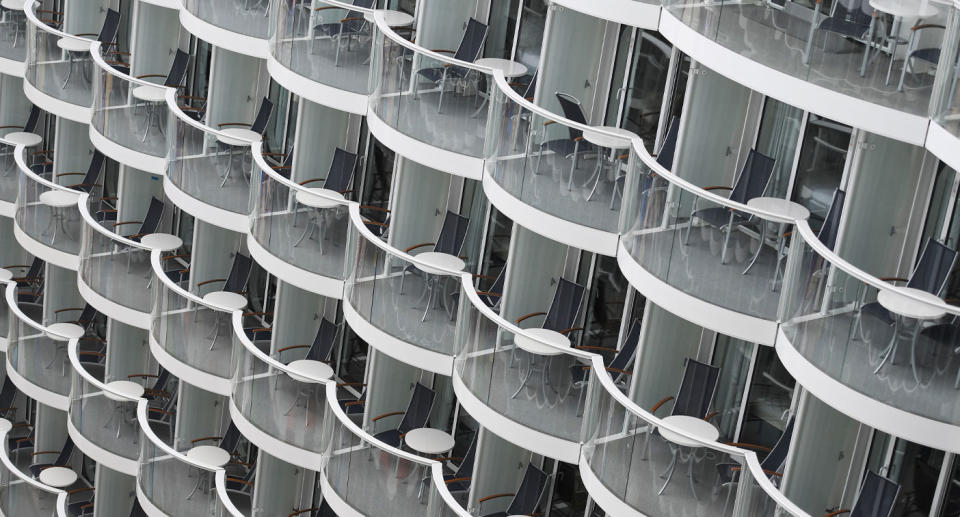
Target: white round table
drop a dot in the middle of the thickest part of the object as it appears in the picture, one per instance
(554, 338)
(23, 138)
(209, 455)
(427, 440)
(162, 241)
(895, 302)
(123, 391)
(154, 96)
(58, 198)
(5, 425)
(784, 208)
(65, 331)
(612, 139)
(237, 136)
(5, 275)
(226, 300)
(13, 5)
(436, 263)
(57, 477)
(310, 371)
(149, 93)
(74, 44)
(509, 68)
(698, 427)
(320, 198)
(393, 18)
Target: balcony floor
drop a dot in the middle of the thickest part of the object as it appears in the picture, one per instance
(7, 50)
(43, 362)
(126, 126)
(248, 17)
(189, 334)
(459, 127)
(286, 409)
(316, 59)
(51, 78)
(372, 482)
(277, 233)
(200, 176)
(121, 277)
(35, 221)
(97, 418)
(167, 482)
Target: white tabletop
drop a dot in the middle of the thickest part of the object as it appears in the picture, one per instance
(74, 45)
(162, 241)
(426, 440)
(209, 455)
(320, 198)
(508, 67)
(58, 198)
(226, 300)
(58, 477)
(64, 331)
(905, 8)
(5, 275)
(13, 5)
(558, 340)
(782, 207)
(128, 388)
(691, 425)
(438, 260)
(23, 138)
(313, 369)
(620, 138)
(238, 136)
(150, 93)
(393, 18)
(894, 302)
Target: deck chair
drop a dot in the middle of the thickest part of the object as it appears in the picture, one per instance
(571, 145)
(416, 416)
(469, 50)
(728, 474)
(178, 70)
(850, 19)
(62, 459)
(694, 397)
(259, 124)
(619, 366)
(32, 276)
(159, 388)
(108, 31)
(228, 442)
(527, 498)
(751, 183)
(322, 347)
(32, 121)
(929, 55)
(562, 314)
(459, 480)
(90, 177)
(340, 176)
(353, 405)
(323, 510)
(876, 498)
(449, 241)
(236, 281)
(350, 27)
(150, 222)
(664, 156)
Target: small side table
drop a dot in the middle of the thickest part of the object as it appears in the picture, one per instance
(57, 200)
(162, 241)
(152, 96)
(211, 456)
(227, 301)
(557, 342)
(393, 18)
(614, 139)
(435, 265)
(5, 275)
(429, 441)
(21, 138)
(784, 208)
(131, 390)
(904, 308)
(312, 371)
(72, 47)
(57, 477)
(234, 137)
(319, 199)
(691, 425)
(509, 68)
(63, 332)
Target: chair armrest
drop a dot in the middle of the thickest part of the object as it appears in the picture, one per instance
(457, 480)
(718, 187)
(527, 316)
(44, 452)
(927, 26)
(312, 180)
(195, 440)
(662, 402)
(711, 415)
(142, 375)
(894, 279)
(371, 207)
(444, 50)
(126, 222)
(750, 446)
(495, 496)
(571, 329)
(489, 293)
(238, 480)
(234, 124)
(182, 255)
(149, 75)
(78, 490)
(385, 415)
(351, 384)
(261, 313)
(305, 510)
(354, 403)
(352, 20)
(618, 370)
(422, 244)
(291, 347)
(838, 512)
(205, 282)
(70, 174)
(58, 311)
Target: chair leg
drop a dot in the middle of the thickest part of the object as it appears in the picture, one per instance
(903, 73)
(443, 89)
(726, 240)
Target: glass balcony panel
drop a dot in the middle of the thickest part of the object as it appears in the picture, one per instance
(247, 17)
(310, 237)
(38, 355)
(58, 64)
(9, 174)
(225, 504)
(408, 95)
(48, 212)
(440, 502)
(13, 43)
(312, 43)
(105, 418)
(22, 495)
(946, 105)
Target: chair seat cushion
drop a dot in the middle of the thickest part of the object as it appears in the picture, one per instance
(458, 486)
(930, 55)
(853, 30)
(875, 310)
(391, 437)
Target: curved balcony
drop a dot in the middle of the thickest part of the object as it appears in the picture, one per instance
(895, 371)
(37, 359)
(188, 335)
(208, 171)
(20, 494)
(623, 461)
(402, 306)
(322, 66)
(406, 112)
(101, 420)
(676, 250)
(239, 25)
(47, 218)
(129, 117)
(530, 177)
(301, 244)
(115, 274)
(945, 107)
(9, 179)
(57, 77)
(13, 46)
(170, 483)
(282, 411)
(363, 476)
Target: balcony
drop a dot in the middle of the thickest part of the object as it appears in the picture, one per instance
(58, 74)
(13, 44)
(209, 172)
(407, 110)
(240, 25)
(674, 251)
(47, 217)
(340, 63)
(896, 372)
(129, 117)
(20, 494)
(401, 305)
(188, 335)
(9, 179)
(296, 241)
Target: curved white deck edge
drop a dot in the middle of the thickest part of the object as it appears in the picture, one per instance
(41, 395)
(513, 432)
(797, 92)
(56, 106)
(944, 145)
(169, 4)
(51, 255)
(12, 67)
(148, 507)
(8, 209)
(396, 348)
(210, 214)
(99, 454)
(548, 225)
(693, 309)
(111, 308)
(424, 153)
(129, 157)
(306, 280)
(4, 344)
(232, 41)
(860, 407)
(337, 504)
(315, 91)
(198, 378)
(601, 495)
(276, 448)
(630, 12)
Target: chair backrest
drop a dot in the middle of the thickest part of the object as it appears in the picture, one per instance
(753, 179)
(137, 510)
(178, 70)
(669, 145)
(340, 177)
(36, 269)
(323, 343)
(452, 233)
(629, 349)
(239, 273)
(87, 315)
(573, 110)
(230, 439)
(418, 411)
(110, 27)
(64, 457)
(472, 41)
(466, 466)
(263, 116)
(32, 120)
(831, 225)
(696, 389)
(876, 498)
(531, 88)
(152, 220)
(778, 455)
(495, 290)
(93, 172)
(565, 306)
(355, 18)
(7, 393)
(162, 376)
(529, 493)
(933, 268)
